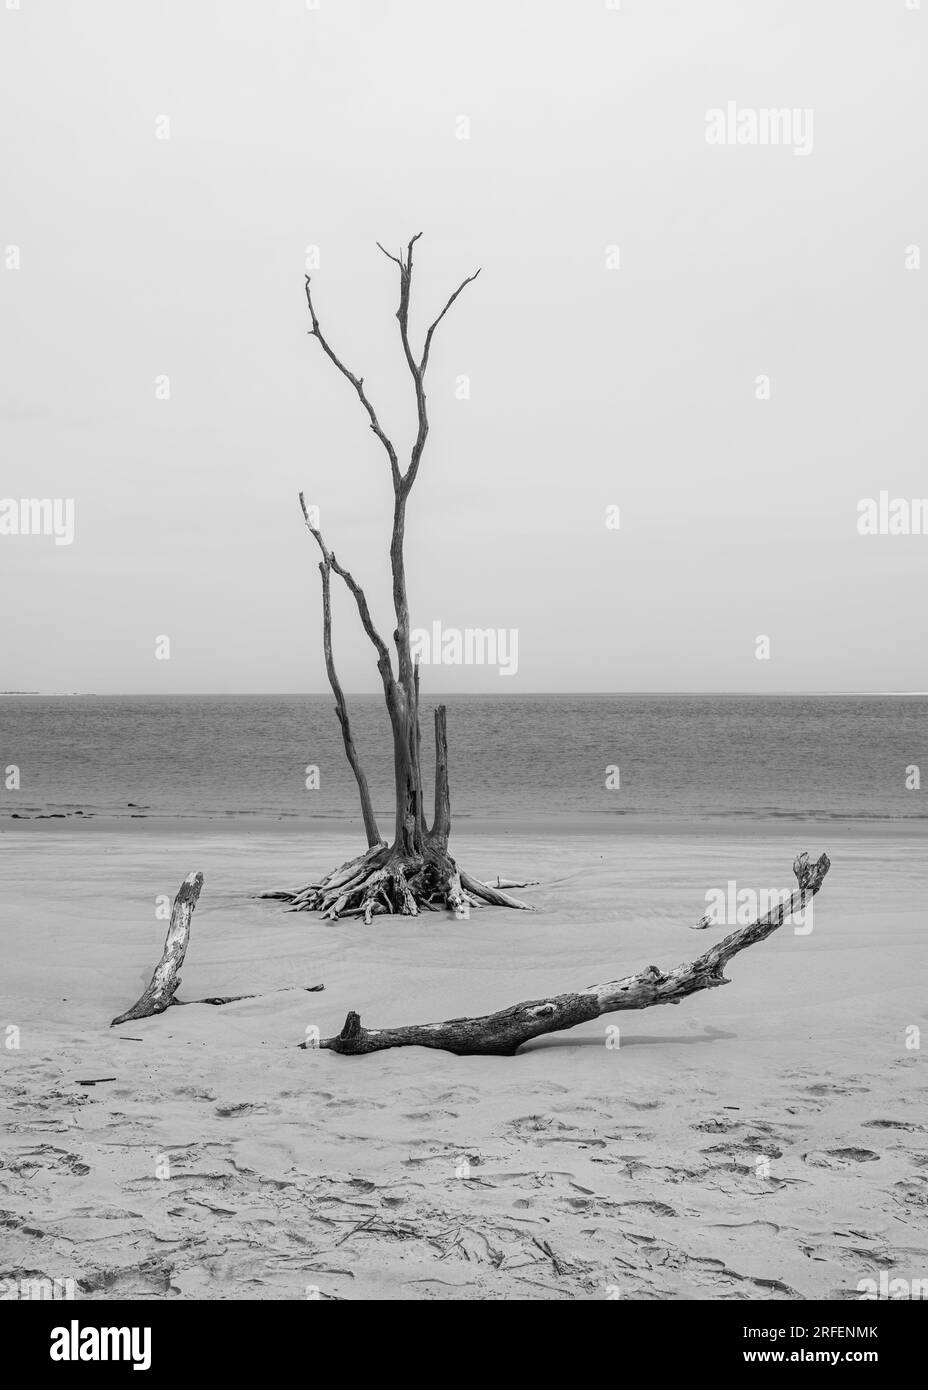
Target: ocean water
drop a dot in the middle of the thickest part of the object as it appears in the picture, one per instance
(517, 758)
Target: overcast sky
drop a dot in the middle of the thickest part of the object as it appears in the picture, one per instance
(590, 386)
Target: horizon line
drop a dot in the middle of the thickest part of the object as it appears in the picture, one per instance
(452, 694)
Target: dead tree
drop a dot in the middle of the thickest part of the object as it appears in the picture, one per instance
(503, 1033)
(415, 869)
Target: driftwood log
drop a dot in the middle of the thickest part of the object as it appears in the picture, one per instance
(164, 982)
(503, 1033)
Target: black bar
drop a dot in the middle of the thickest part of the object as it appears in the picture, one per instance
(238, 1337)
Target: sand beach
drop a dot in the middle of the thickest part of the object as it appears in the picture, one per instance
(761, 1141)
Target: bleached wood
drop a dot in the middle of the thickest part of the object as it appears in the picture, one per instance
(166, 978)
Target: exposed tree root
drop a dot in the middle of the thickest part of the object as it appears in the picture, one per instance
(503, 1033)
(384, 881)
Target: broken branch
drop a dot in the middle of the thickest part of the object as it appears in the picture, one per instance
(341, 707)
(164, 982)
(367, 622)
(428, 337)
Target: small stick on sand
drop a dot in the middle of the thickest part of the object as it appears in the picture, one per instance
(219, 999)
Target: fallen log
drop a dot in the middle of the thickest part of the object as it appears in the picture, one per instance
(164, 982)
(503, 1033)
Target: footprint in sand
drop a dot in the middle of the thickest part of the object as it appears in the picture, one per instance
(544, 1129)
(827, 1088)
(751, 1145)
(149, 1277)
(839, 1158)
(651, 1207)
(631, 1165)
(913, 1195)
(460, 1093)
(863, 1258)
(52, 1159)
(894, 1124)
(354, 1103)
(430, 1114)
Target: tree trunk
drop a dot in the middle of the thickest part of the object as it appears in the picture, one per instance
(441, 825)
(408, 838)
(417, 869)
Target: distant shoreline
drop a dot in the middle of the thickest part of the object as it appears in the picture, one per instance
(611, 828)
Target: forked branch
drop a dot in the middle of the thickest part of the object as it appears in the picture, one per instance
(428, 337)
(503, 1033)
(416, 367)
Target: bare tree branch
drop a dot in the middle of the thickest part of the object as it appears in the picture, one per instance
(419, 376)
(416, 368)
(383, 651)
(341, 709)
(397, 260)
(402, 314)
(428, 337)
(358, 384)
